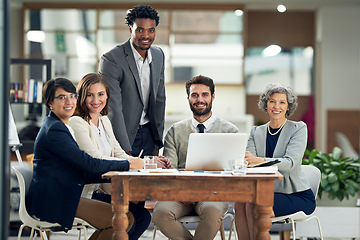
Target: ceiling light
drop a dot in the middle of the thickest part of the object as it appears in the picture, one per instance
(271, 51)
(239, 12)
(35, 36)
(308, 52)
(281, 8)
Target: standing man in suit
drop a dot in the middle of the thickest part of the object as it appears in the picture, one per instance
(134, 71)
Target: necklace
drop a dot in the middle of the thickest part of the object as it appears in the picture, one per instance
(277, 130)
(97, 127)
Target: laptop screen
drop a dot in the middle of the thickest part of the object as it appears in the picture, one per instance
(212, 151)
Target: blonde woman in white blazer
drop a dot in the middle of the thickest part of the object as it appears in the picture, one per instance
(94, 135)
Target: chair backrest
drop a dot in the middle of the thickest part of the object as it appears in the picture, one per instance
(313, 175)
(24, 175)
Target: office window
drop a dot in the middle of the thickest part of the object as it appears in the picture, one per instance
(280, 48)
(68, 37)
(207, 42)
(292, 67)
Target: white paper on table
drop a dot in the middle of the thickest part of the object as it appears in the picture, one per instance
(270, 169)
(159, 170)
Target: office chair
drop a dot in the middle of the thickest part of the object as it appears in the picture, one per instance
(196, 219)
(313, 175)
(24, 175)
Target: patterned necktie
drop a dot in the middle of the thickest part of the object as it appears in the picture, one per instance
(201, 128)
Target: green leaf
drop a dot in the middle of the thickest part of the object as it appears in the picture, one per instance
(340, 196)
(351, 190)
(353, 184)
(335, 186)
(336, 153)
(327, 188)
(305, 161)
(355, 165)
(332, 177)
(323, 183)
(332, 195)
(324, 158)
(335, 164)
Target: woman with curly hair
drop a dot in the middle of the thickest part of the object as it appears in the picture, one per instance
(285, 141)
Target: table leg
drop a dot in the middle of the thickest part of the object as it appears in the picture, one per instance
(120, 206)
(262, 222)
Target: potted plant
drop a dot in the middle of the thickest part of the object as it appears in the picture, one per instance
(339, 176)
(337, 197)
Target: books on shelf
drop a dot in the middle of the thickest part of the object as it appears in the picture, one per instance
(16, 92)
(30, 93)
(34, 91)
(39, 92)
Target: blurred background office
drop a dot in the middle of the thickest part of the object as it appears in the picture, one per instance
(311, 45)
(243, 45)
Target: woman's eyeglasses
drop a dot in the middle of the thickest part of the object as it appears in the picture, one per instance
(62, 97)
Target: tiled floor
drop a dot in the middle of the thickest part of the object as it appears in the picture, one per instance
(73, 235)
(148, 235)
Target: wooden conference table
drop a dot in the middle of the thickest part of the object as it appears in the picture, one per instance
(195, 187)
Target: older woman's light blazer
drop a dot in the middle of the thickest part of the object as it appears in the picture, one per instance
(87, 139)
(289, 150)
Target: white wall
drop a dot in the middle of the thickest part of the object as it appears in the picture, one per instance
(338, 64)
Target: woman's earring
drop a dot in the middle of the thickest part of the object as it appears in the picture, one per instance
(51, 108)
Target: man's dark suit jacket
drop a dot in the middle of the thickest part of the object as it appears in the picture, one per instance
(126, 104)
(60, 171)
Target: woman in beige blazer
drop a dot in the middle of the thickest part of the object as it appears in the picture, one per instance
(94, 134)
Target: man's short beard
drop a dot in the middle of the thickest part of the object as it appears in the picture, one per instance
(197, 113)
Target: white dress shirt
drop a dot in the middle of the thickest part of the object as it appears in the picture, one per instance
(207, 124)
(143, 67)
(103, 138)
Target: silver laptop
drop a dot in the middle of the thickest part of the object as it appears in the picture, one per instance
(212, 151)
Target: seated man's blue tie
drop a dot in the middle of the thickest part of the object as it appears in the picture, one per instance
(201, 128)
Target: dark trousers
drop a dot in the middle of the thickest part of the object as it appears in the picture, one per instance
(141, 215)
(285, 204)
(143, 141)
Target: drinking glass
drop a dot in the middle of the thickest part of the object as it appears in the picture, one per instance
(149, 162)
(238, 166)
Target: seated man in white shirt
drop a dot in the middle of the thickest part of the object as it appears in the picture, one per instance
(201, 93)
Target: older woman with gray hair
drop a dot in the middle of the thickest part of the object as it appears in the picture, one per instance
(284, 140)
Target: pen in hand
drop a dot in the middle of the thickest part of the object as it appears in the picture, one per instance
(141, 152)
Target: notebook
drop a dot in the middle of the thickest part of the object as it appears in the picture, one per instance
(212, 151)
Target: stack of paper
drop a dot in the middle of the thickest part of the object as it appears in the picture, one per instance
(159, 170)
(270, 169)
